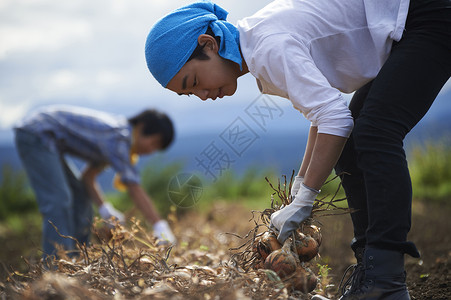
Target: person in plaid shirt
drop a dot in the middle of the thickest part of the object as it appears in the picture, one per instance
(100, 139)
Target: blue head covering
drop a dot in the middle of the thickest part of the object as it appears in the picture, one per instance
(173, 38)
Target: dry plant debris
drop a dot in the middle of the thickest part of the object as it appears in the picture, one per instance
(128, 263)
(293, 262)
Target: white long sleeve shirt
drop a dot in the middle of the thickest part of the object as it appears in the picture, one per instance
(310, 51)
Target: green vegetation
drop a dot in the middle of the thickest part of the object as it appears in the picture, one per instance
(430, 167)
(430, 170)
(250, 189)
(20, 221)
(155, 178)
(16, 197)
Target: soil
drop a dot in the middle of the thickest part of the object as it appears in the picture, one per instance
(427, 277)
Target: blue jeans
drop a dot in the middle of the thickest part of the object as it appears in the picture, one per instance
(62, 198)
(385, 110)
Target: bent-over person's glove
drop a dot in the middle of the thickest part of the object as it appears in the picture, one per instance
(106, 211)
(287, 219)
(162, 231)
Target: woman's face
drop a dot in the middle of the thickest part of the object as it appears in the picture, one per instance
(213, 78)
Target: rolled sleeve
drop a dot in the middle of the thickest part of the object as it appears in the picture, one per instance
(335, 121)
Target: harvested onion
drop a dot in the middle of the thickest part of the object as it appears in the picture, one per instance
(266, 244)
(314, 232)
(302, 280)
(282, 261)
(306, 247)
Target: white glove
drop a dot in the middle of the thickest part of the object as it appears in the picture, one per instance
(287, 219)
(162, 231)
(296, 185)
(106, 211)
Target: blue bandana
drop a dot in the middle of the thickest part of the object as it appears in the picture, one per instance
(173, 38)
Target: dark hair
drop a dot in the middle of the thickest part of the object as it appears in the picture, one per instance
(155, 122)
(198, 52)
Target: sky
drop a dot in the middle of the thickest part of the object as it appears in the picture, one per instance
(91, 53)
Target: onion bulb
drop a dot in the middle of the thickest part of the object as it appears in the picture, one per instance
(306, 247)
(266, 243)
(282, 261)
(314, 232)
(302, 280)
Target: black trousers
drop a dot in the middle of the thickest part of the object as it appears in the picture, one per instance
(378, 186)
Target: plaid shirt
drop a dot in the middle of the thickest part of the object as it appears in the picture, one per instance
(94, 136)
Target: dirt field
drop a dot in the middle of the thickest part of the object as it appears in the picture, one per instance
(427, 277)
(205, 246)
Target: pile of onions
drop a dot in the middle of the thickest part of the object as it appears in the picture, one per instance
(288, 260)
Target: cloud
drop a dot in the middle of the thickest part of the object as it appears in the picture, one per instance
(76, 84)
(91, 53)
(11, 112)
(87, 53)
(47, 36)
(38, 26)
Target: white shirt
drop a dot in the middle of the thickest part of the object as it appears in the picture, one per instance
(310, 51)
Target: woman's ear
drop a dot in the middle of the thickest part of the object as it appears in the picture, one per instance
(209, 42)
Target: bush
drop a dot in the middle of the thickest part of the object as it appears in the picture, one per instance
(155, 179)
(231, 186)
(430, 170)
(15, 194)
(250, 188)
